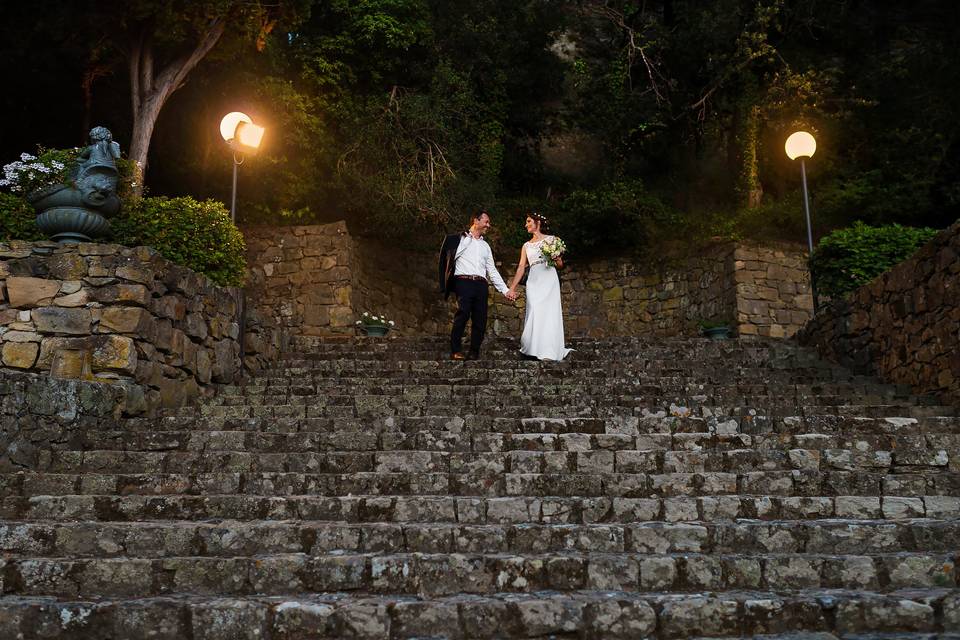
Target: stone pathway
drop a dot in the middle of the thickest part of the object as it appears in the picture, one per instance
(372, 489)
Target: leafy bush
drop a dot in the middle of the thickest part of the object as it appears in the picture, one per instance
(851, 257)
(198, 235)
(17, 219)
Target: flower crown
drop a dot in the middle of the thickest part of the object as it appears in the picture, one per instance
(542, 219)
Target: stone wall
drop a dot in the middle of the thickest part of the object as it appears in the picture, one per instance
(301, 277)
(905, 325)
(108, 313)
(317, 280)
(773, 296)
(38, 413)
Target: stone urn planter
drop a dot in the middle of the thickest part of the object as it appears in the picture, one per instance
(374, 325)
(62, 215)
(76, 212)
(717, 333)
(376, 331)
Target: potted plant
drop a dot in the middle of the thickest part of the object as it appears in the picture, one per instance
(715, 329)
(374, 325)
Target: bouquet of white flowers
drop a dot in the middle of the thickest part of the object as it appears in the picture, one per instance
(552, 249)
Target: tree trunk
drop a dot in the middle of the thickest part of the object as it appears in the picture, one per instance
(150, 91)
(743, 156)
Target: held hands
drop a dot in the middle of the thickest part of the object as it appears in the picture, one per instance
(510, 295)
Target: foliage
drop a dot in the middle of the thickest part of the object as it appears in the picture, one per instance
(32, 173)
(17, 219)
(404, 115)
(612, 217)
(198, 235)
(851, 257)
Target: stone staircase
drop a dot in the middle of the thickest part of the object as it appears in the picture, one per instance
(373, 489)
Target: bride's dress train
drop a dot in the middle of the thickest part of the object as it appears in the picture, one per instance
(543, 322)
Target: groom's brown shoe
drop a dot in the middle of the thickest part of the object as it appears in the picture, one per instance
(457, 356)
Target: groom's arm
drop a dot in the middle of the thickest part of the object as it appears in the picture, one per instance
(494, 275)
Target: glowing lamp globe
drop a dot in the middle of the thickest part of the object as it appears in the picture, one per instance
(249, 135)
(229, 123)
(800, 145)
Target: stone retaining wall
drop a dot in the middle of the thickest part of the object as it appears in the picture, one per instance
(905, 325)
(38, 412)
(773, 296)
(109, 313)
(318, 280)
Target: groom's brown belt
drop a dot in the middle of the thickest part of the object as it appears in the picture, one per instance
(470, 278)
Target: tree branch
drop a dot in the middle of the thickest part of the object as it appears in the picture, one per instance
(172, 77)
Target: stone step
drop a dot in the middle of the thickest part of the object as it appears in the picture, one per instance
(687, 421)
(445, 574)
(742, 538)
(720, 463)
(298, 392)
(201, 498)
(677, 436)
(801, 614)
(635, 372)
(373, 407)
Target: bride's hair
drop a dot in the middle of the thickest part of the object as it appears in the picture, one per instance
(542, 219)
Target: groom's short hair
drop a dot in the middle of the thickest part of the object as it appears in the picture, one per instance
(478, 215)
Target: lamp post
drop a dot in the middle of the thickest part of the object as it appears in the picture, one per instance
(239, 132)
(802, 145)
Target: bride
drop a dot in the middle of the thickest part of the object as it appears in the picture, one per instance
(543, 323)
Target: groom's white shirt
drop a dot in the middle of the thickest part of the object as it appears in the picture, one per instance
(475, 258)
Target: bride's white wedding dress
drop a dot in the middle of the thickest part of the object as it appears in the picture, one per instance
(543, 323)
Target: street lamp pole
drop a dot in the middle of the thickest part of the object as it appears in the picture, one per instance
(233, 195)
(801, 145)
(806, 202)
(239, 132)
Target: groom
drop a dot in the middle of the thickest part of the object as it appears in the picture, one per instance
(466, 262)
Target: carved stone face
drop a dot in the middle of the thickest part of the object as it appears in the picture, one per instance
(97, 188)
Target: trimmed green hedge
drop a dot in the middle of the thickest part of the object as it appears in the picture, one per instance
(848, 258)
(198, 235)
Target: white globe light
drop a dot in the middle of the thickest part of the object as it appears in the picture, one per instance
(228, 126)
(800, 145)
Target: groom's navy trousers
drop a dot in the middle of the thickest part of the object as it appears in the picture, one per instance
(472, 306)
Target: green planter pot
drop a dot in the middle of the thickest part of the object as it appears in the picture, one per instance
(72, 224)
(375, 330)
(61, 215)
(717, 333)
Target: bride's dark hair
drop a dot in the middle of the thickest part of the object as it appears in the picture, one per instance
(542, 219)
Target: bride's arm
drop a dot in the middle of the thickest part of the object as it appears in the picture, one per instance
(520, 266)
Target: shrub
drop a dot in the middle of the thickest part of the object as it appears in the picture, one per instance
(17, 219)
(851, 257)
(198, 235)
